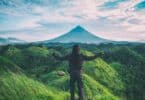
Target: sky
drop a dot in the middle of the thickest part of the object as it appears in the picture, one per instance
(37, 20)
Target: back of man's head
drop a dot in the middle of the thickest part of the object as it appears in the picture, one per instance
(76, 49)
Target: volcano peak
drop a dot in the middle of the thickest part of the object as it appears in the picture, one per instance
(78, 29)
(78, 35)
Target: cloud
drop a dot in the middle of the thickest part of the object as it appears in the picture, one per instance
(111, 19)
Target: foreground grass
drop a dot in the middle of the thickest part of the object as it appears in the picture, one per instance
(93, 89)
(15, 85)
(20, 87)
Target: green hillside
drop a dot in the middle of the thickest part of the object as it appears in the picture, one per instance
(104, 74)
(18, 86)
(31, 73)
(8, 66)
(93, 89)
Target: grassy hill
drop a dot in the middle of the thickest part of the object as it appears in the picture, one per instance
(19, 86)
(15, 85)
(93, 89)
(102, 72)
(31, 73)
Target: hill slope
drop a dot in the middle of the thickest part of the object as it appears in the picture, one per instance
(19, 86)
(4, 41)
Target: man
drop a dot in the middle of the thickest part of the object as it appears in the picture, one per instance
(75, 66)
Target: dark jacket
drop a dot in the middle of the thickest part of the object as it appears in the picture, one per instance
(75, 60)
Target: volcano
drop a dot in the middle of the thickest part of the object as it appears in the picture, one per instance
(78, 35)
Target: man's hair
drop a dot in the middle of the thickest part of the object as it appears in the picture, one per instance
(75, 49)
(75, 46)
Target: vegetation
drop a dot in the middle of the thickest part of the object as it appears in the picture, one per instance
(29, 72)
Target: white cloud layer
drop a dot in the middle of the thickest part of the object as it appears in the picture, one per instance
(112, 19)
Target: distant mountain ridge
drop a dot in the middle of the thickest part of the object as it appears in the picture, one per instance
(78, 35)
(10, 40)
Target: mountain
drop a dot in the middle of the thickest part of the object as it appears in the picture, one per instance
(10, 40)
(78, 35)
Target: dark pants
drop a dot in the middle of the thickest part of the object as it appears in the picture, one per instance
(76, 77)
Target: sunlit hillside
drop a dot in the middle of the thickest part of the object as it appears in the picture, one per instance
(30, 72)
